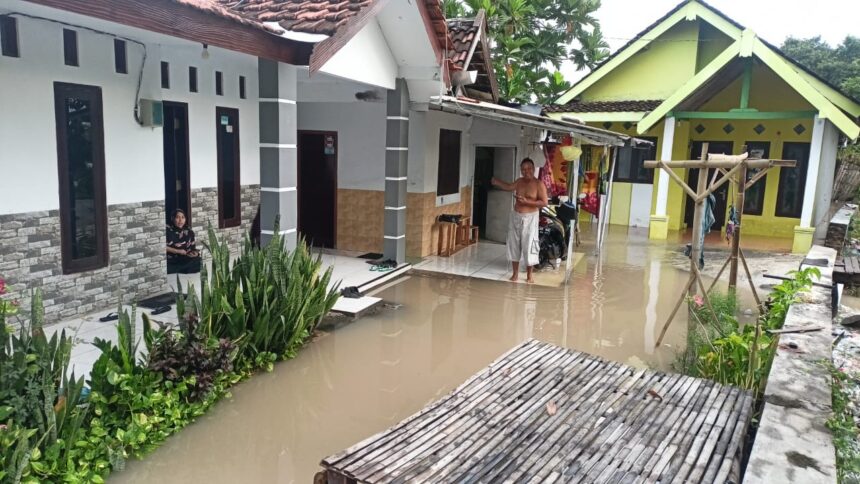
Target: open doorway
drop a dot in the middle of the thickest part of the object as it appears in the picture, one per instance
(317, 187)
(177, 170)
(491, 207)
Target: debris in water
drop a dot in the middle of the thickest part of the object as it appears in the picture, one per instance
(392, 306)
(748, 312)
(551, 408)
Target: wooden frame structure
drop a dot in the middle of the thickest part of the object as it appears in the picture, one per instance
(731, 168)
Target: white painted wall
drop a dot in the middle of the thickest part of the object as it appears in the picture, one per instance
(360, 130)
(133, 154)
(365, 58)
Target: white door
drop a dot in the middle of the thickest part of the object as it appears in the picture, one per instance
(499, 202)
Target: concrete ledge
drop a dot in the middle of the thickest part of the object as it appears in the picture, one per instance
(837, 229)
(793, 443)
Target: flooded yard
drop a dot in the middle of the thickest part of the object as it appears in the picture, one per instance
(433, 333)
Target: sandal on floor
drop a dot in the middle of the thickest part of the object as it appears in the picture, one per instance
(109, 317)
(160, 310)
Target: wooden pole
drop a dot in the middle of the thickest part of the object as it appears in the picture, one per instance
(697, 218)
(736, 236)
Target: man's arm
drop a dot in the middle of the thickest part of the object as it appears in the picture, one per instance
(508, 187)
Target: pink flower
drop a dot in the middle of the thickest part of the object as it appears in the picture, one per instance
(697, 299)
(2, 286)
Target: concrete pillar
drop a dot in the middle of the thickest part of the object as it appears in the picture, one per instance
(396, 155)
(659, 226)
(278, 155)
(803, 233)
(826, 175)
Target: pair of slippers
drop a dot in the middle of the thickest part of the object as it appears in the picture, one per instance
(114, 316)
(351, 292)
(382, 266)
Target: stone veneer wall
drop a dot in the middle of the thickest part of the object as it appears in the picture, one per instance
(30, 258)
(204, 210)
(421, 212)
(360, 218)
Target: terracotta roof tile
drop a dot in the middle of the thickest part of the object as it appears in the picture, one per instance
(604, 106)
(308, 16)
(463, 33)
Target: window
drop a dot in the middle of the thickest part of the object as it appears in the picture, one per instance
(81, 165)
(165, 75)
(9, 36)
(241, 87)
(448, 181)
(192, 79)
(630, 166)
(120, 61)
(789, 199)
(70, 47)
(227, 126)
(754, 196)
(219, 83)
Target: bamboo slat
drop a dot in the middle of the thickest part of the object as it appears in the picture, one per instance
(541, 413)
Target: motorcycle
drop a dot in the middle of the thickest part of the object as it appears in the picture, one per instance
(553, 233)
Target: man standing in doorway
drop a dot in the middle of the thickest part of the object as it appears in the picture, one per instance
(522, 241)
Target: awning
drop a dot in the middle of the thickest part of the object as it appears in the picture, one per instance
(495, 112)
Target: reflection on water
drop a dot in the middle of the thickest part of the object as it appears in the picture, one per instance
(365, 377)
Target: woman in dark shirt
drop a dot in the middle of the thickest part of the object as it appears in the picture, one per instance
(182, 255)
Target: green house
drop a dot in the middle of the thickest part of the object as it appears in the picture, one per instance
(697, 76)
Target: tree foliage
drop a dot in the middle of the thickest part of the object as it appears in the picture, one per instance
(839, 65)
(530, 40)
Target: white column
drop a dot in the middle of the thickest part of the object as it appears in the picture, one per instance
(665, 155)
(812, 171)
(826, 174)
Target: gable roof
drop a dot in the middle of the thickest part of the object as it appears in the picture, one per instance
(471, 51)
(312, 17)
(831, 103)
(639, 106)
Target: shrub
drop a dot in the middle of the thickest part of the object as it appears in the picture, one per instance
(268, 302)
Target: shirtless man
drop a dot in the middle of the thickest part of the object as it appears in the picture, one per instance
(522, 241)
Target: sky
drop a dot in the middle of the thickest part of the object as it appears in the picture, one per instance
(772, 20)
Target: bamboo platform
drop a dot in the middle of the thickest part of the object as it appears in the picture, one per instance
(541, 413)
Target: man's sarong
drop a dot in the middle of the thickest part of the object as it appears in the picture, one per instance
(522, 243)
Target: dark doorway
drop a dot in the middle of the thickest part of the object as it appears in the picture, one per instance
(722, 194)
(483, 174)
(177, 169)
(317, 187)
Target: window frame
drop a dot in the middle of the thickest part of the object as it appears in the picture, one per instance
(456, 171)
(9, 40)
(192, 79)
(783, 172)
(94, 93)
(120, 56)
(760, 183)
(165, 75)
(631, 179)
(236, 220)
(71, 56)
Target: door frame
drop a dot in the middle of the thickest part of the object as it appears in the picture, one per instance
(299, 134)
(237, 168)
(473, 154)
(184, 106)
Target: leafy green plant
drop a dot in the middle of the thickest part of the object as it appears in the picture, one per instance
(724, 351)
(846, 437)
(268, 301)
(180, 355)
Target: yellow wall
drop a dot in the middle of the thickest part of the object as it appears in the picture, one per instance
(655, 72)
(711, 43)
(620, 206)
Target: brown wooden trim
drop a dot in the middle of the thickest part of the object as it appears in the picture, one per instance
(94, 95)
(762, 183)
(177, 20)
(236, 220)
(439, 50)
(299, 134)
(187, 129)
(326, 49)
(486, 55)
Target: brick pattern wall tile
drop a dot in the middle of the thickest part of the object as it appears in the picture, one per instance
(30, 258)
(204, 210)
(421, 213)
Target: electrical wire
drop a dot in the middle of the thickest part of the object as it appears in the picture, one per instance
(136, 111)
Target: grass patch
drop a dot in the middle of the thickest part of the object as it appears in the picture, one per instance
(846, 437)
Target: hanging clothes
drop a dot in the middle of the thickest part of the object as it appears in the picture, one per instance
(708, 220)
(732, 224)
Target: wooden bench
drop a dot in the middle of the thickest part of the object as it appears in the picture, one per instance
(847, 272)
(455, 236)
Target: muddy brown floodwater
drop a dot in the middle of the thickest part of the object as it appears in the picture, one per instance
(435, 332)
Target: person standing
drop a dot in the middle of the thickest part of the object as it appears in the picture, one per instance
(522, 240)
